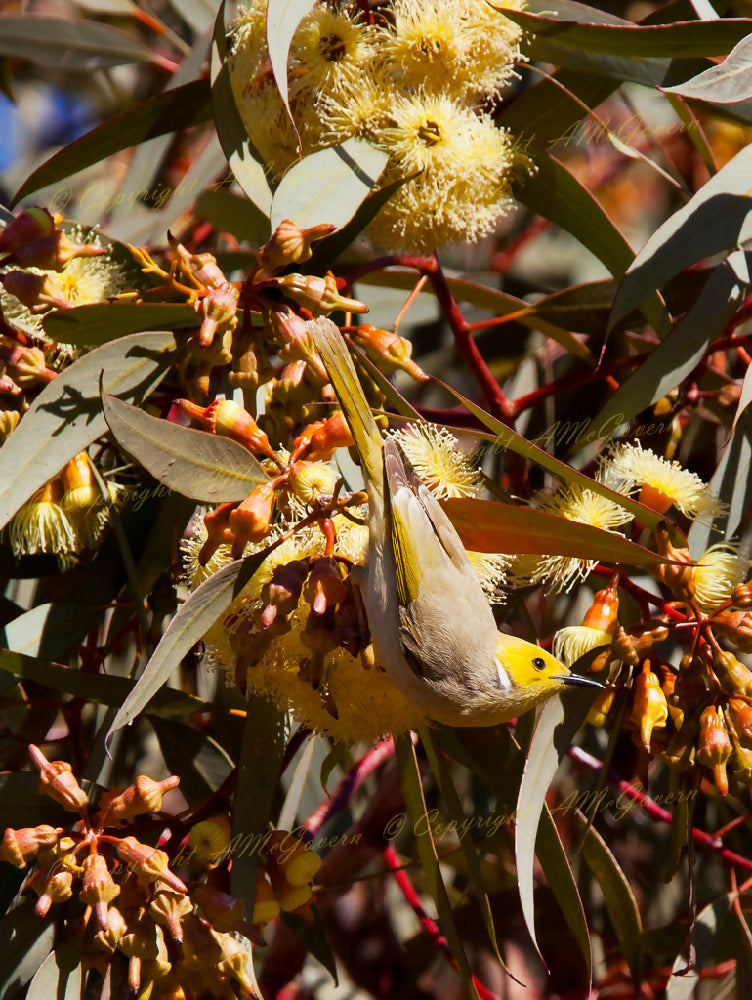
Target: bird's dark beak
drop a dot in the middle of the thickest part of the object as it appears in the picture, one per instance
(578, 680)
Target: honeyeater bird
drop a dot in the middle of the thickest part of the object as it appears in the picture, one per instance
(429, 618)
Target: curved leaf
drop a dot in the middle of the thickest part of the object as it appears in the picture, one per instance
(242, 156)
(552, 735)
(59, 976)
(412, 790)
(199, 465)
(193, 619)
(176, 109)
(282, 20)
(25, 942)
(728, 83)
(199, 760)
(67, 415)
(716, 218)
(328, 186)
(685, 346)
(84, 46)
(490, 526)
(102, 322)
(103, 689)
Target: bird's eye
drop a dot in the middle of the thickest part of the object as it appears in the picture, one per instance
(539, 663)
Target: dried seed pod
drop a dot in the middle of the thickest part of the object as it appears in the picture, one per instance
(316, 294)
(56, 780)
(99, 887)
(251, 521)
(19, 847)
(289, 244)
(387, 350)
(143, 796)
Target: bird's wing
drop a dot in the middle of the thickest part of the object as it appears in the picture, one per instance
(424, 540)
(330, 344)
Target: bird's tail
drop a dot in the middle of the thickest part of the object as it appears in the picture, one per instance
(331, 345)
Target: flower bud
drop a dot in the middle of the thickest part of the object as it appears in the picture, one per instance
(168, 909)
(387, 350)
(650, 710)
(324, 587)
(144, 796)
(251, 521)
(740, 715)
(8, 423)
(25, 365)
(293, 334)
(209, 840)
(56, 780)
(320, 440)
(604, 700)
(52, 888)
(677, 574)
(218, 531)
(219, 309)
(265, 906)
(144, 943)
(99, 888)
(289, 244)
(79, 484)
(19, 847)
(714, 746)
(318, 295)
(234, 963)
(282, 592)
(735, 678)
(53, 252)
(741, 596)
(31, 224)
(681, 751)
(36, 291)
(226, 418)
(603, 612)
(148, 863)
(224, 913)
(115, 927)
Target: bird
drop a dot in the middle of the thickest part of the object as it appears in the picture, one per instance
(429, 620)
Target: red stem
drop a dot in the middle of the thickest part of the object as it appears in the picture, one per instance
(349, 785)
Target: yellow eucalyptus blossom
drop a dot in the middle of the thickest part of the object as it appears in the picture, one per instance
(434, 453)
(334, 49)
(575, 503)
(491, 569)
(41, 525)
(462, 46)
(716, 575)
(661, 484)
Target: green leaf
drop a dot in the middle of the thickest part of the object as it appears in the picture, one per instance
(507, 438)
(25, 942)
(588, 29)
(21, 804)
(416, 806)
(193, 619)
(70, 46)
(544, 114)
(490, 526)
(104, 689)
(717, 217)
(682, 350)
(199, 760)
(231, 213)
(314, 938)
(282, 20)
(59, 976)
(552, 736)
(681, 985)
(731, 480)
(728, 83)
(67, 415)
(288, 816)
(617, 894)
(202, 466)
(258, 776)
(168, 112)
(51, 631)
(328, 186)
(103, 322)
(450, 797)
(242, 156)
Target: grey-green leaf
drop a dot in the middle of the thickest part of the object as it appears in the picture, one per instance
(282, 20)
(680, 352)
(242, 156)
(59, 976)
(193, 619)
(716, 218)
(328, 186)
(67, 415)
(681, 985)
(728, 83)
(199, 465)
(102, 322)
(83, 46)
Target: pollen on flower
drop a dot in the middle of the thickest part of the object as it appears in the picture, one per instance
(41, 526)
(574, 641)
(434, 452)
(575, 503)
(491, 569)
(190, 546)
(333, 48)
(661, 484)
(462, 46)
(717, 572)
